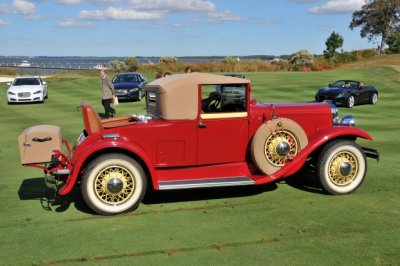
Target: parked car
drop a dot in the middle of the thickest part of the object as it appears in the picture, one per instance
(27, 89)
(129, 86)
(183, 143)
(348, 93)
(232, 90)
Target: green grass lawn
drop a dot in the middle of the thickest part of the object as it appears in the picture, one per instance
(289, 222)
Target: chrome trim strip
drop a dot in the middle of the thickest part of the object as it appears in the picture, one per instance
(203, 183)
(111, 136)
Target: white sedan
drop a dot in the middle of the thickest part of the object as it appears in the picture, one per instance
(27, 89)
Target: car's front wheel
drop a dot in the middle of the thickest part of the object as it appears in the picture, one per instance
(350, 101)
(374, 98)
(113, 183)
(341, 167)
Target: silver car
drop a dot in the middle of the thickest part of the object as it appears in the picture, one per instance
(27, 89)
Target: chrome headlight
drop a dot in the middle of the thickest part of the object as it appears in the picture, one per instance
(347, 120)
(334, 111)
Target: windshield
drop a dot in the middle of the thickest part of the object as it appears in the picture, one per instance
(26, 81)
(126, 78)
(345, 84)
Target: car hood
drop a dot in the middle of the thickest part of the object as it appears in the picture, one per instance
(126, 85)
(25, 88)
(333, 90)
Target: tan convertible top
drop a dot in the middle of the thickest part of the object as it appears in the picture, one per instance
(177, 95)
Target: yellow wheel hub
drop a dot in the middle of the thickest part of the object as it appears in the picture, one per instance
(114, 185)
(280, 146)
(343, 168)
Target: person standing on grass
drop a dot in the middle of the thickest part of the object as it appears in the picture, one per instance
(107, 89)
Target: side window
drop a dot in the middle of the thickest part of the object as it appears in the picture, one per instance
(224, 98)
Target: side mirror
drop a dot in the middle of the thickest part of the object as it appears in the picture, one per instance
(44, 83)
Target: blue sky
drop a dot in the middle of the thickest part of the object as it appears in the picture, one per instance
(174, 27)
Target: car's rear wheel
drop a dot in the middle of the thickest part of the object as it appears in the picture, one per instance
(350, 101)
(275, 142)
(113, 183)
(341, 167)
(374, 98)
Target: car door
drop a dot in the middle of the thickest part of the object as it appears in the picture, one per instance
(365, 95)
(222, 133)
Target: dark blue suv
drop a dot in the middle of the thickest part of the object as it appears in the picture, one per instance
(129, 86)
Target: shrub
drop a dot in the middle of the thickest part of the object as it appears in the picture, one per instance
(131, 63)
(302, 60)
(168, 60)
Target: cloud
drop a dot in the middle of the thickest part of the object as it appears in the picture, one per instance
(3, 23)
(175, 5)
(303, 1)
(70, 2)
(337, 7)
(225, 16)
(113, 13)
(71, 23)
(77, 2)
(3, 8)
(25, 8)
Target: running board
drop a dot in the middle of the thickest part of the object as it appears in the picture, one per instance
(208, 182)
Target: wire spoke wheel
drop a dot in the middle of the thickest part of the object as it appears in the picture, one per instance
(275, 142)
(280, 146)
(114, 185)
(341, 167)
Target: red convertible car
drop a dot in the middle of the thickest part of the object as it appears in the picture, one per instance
(193, 137)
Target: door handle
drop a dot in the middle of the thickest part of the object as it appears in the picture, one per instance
(202, 125)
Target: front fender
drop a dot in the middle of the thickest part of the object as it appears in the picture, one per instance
(81, 157)
(315, 141)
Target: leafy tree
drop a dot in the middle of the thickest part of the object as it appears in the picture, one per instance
(116, 65)
(230, 60)
(334, 41)
(131, 63)
(393, 42)
(377, 18)
(301, 60)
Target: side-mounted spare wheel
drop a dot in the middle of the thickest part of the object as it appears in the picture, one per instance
(113, 183)
(275, 142)
(341, 167)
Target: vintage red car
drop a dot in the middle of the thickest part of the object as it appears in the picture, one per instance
(195, 136)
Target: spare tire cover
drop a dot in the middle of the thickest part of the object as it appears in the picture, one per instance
(275, 142)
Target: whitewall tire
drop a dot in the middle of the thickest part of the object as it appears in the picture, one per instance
(113, 183)
(341, 167)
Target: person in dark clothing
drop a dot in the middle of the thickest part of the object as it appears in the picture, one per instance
(107, 89)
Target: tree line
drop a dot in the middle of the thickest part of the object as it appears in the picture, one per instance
(378, 20)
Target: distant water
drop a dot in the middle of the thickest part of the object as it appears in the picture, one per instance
(85, 62)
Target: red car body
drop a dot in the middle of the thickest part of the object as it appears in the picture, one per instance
(178, 145)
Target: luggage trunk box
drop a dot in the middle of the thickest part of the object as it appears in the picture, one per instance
(37, 143)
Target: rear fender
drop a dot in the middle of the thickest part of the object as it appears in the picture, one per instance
(82, 158)
(315, 141)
